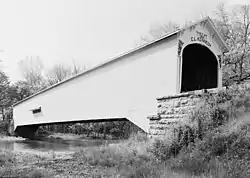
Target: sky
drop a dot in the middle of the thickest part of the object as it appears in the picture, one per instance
(89, 32)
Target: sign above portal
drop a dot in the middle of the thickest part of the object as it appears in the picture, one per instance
(201, 37)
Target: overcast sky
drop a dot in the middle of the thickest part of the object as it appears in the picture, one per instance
(89, 31)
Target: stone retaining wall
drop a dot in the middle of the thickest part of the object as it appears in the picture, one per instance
(174, 109)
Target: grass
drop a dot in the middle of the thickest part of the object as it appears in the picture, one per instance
(216, 143)
(6, 158)
(10, 166)
(10, 138)
(134, 158)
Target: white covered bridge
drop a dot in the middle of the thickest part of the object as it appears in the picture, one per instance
(128, 85)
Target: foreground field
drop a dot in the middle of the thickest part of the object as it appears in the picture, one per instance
(214, 144)
(41, 165)
(128, 159)
(136, 157)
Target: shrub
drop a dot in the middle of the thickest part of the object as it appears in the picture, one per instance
(138, 137)
(163, 150)
(232, 139)
(186, 134)
(229, 145)
(41, 132)
(219, 109)
(209, 116)
(4, 127)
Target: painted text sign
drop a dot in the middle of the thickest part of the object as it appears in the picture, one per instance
(201, 37)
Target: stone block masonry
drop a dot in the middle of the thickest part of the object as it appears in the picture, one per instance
(174, 109)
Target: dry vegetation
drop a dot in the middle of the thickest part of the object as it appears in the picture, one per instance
(216, 143)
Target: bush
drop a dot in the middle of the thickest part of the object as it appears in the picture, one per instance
(138, 137)
(4, 127)
(41, 132)
(228, 145)
(163, 150)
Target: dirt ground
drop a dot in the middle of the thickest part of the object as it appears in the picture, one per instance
(44, 164)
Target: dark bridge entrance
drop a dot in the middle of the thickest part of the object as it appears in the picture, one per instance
(199, 68)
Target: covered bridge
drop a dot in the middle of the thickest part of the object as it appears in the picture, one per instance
(127, 86)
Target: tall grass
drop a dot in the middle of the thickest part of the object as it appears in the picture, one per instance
(215, 143)
(9, 167)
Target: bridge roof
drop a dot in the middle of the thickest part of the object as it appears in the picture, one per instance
(207, 19)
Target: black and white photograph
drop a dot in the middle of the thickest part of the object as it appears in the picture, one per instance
(125, 89)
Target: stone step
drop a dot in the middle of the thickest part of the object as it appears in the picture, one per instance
(178, 103)
(157, 132)
(180, 110)
(174, 116)
(154, 117)
(165, 133)
(163, 127)
(167, 121)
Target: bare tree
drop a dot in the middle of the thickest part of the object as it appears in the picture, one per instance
(4, 93)
(76, 69)
(32, 70)
(157, 31)
(234, 28)
(58, 73)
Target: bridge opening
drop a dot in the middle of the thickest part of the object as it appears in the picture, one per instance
(199, 68)
(105, 129)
